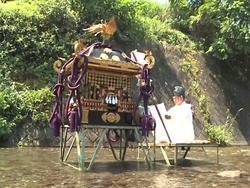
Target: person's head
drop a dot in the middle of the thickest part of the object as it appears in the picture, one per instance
(178, 95)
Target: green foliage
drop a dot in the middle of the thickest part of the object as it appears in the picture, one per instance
(19, 104)
(222, 26)
(33, 36)
(34, 33)
(179, 39)
(181, 12)
(223, 134)
(136, 19)
(220, 134)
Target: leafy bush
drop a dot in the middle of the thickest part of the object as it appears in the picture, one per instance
(223, 134)
(18, 104)
(220, 134)
(33, 36)
(221, 26)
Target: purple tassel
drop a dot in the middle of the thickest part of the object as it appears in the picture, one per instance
(74, 120)
(144, 126)
(56, 126)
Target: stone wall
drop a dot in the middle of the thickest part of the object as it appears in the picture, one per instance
(223, 92)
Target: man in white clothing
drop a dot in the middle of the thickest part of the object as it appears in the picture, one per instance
(180, 118)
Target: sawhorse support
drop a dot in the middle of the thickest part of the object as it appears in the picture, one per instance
(187, 147)
(81, 146)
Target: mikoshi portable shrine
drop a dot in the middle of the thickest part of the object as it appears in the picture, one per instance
(94, 91)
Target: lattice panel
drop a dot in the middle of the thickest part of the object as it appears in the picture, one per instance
(107, 80)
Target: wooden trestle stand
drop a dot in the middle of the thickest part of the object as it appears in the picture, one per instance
(78, 139)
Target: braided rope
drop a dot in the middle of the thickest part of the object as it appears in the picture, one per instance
(146, 91)
(74, 83)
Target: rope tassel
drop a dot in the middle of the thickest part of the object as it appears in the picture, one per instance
(56, 125)
(145, 125)
(74, 120)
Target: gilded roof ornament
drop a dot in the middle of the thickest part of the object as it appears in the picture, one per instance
(106, 29)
